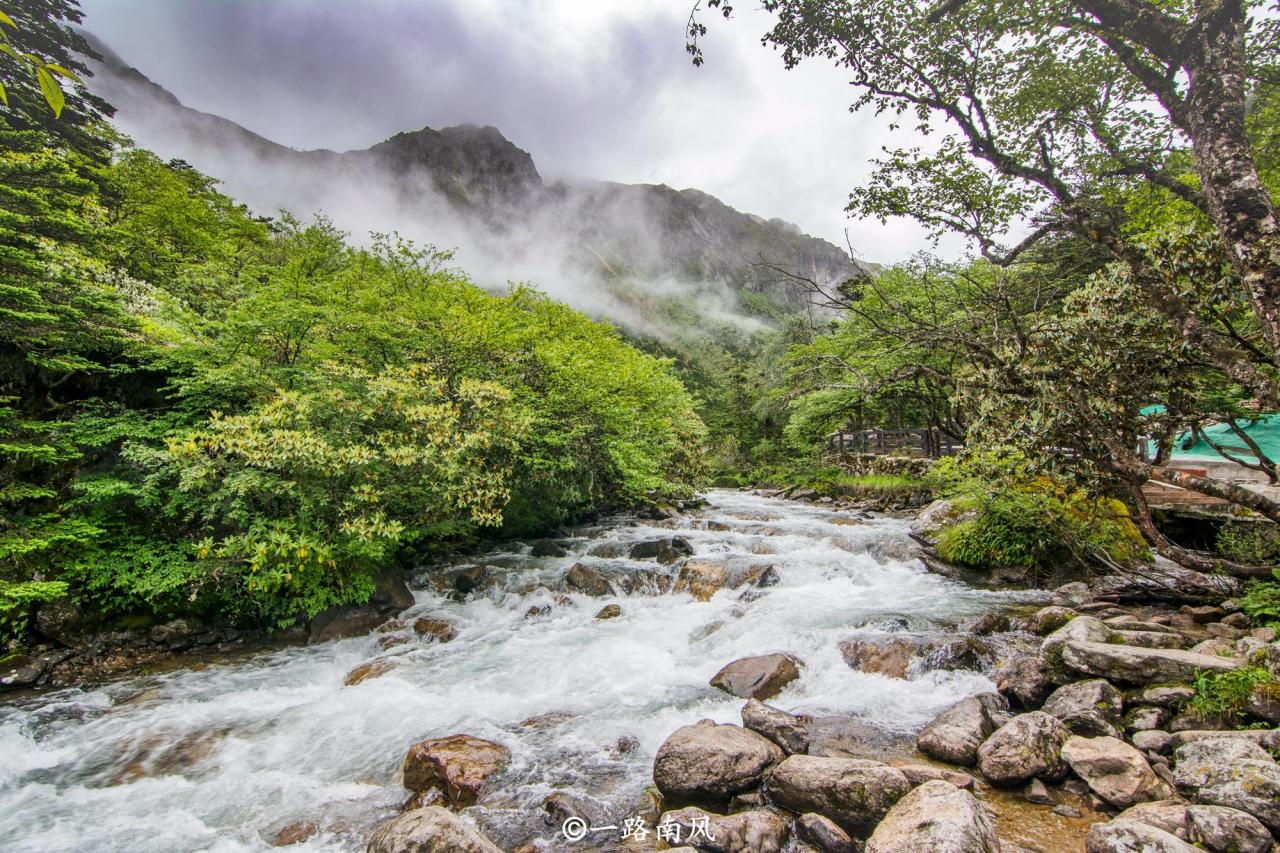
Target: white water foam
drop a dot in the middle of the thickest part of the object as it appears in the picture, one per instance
(220, 759)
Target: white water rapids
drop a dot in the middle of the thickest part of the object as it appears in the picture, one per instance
(221, 758)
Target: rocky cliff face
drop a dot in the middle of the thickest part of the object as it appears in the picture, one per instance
(472, 188)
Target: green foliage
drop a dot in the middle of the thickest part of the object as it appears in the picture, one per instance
(209, 413)
(1226, 694)
(1029, 522)
(308, 495)
(17, 599)
(1261, 601)
(1252, 544)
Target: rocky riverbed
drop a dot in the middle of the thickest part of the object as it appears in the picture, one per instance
(568, 680)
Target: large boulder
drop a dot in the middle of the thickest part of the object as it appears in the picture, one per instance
(709, 762)
(937, 517)
(1025, 681)
(955, 735)
(1225, 830)
(1231, 772)
(459, 766)
(1046, 620)
(666, 550)
(1139, 666)
(939, 818)
(789, 732)
(1168, 815)
(753, 831)
(854, 793)
(1091, 708)
(1080, 629)
(1114, 771)
(344, 620)
(761, 677)
(429, 830)
(1027, 747)
(900, 655)
(702, 578)
(582, 578)
(390, 592)
(1130, 836)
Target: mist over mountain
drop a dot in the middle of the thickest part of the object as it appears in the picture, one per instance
(625, 251)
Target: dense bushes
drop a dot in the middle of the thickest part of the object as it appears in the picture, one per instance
(253, 418)
(1011, 519)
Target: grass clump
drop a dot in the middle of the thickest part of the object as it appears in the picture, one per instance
(1227, 694)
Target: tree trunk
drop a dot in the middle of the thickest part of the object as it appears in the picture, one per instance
(1241, 207)
(1233, 492)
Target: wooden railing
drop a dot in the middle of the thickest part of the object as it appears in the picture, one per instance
(930, 443)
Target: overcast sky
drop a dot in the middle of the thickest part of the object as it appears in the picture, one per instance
(593, 88)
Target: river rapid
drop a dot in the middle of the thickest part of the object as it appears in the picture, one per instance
(223, 757)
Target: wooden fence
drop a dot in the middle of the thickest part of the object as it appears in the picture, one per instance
(929, 443)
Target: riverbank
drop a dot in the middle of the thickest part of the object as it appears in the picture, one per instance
(578, 658)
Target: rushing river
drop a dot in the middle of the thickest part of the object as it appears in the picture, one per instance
(223, 757)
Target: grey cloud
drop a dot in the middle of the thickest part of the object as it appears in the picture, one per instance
(589, 94)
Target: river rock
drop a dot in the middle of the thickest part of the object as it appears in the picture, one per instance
(1139, 666)
(1168, 815)
(754, 831)
(761, 677)
(854, 793)
(472, 579)
(1150, 639)
(1024, 681)
(1027, 747)
(441, 630)
(918, 774)
(1091, 708)
(939, 818)
(459, 765)
(955, 735)
(1163, 695)
(1264, 703)
(365, 671)
(1231, 772)
(547, 548)
(1225, 830)
(1046, 620)
(823, 835)
(346, 620)
(429, 830)
(789, 732)
(1130, 836)
(711, 762)
(1074, 594)
(937, 517)
(1152, 740)
(666, 550)
(701, 578)
(609, 611)
(1079, 629)
(587, 580)
(18, 671)
(390, 592)
(1114, 771)
(899, 655)
(1265, 738)
(1145, 718)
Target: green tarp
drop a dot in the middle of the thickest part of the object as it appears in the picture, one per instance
(1263, 430)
